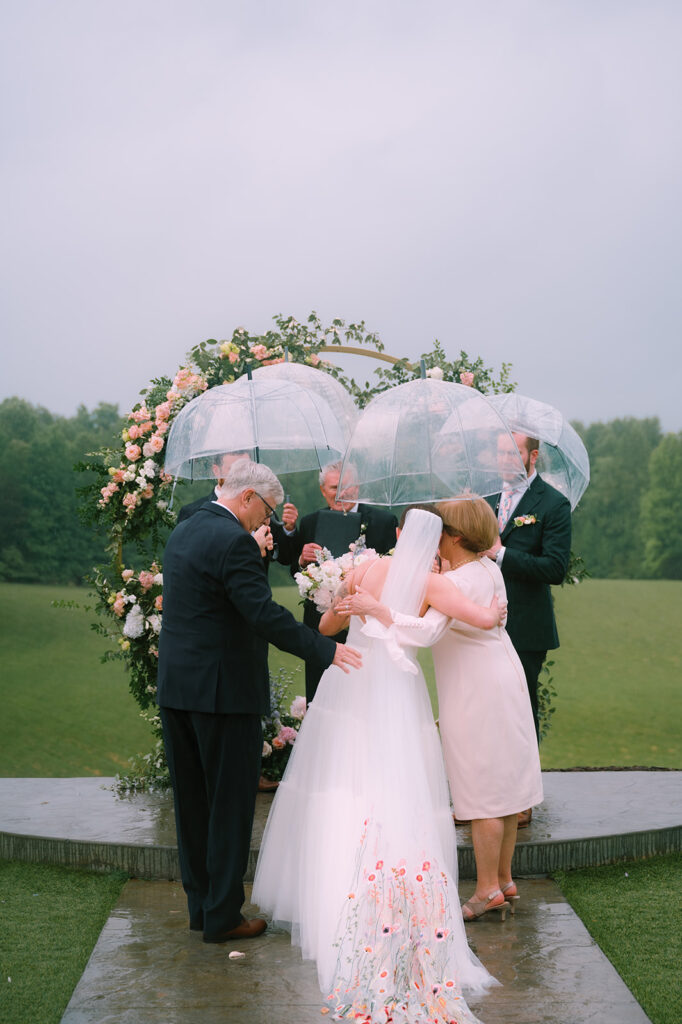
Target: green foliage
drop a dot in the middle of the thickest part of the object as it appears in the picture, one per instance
(51, 920)
(632, 911)
(606, 524)
(277, 748)
(661, 505)
(40, 536)
(546, 698)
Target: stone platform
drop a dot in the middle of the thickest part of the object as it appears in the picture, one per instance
(587, 818)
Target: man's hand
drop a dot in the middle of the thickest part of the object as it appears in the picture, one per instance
(310, 553)
(289, 516)
(347, 658)
(263, 538)
(492, 551)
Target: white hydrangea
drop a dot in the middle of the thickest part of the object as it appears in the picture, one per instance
(154, 622)
(134, 624)
(149, 468)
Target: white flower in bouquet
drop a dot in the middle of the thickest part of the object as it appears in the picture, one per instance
(134, 624)
(322, 581)
(267, 749)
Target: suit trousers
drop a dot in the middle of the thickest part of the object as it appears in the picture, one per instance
(214, 763)
(532, 662)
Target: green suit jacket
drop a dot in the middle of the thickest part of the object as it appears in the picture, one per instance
(536, 556)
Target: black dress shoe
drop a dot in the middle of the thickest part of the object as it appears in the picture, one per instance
(245, 930)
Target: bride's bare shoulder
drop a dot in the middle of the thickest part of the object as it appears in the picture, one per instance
(376, 568)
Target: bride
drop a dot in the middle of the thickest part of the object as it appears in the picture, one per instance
(358, 858)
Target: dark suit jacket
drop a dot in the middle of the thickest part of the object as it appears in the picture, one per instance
(535, 556)
(380, 535)
(285, 542)
(218, 617)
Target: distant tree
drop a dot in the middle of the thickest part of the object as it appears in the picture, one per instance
(606, 524)
(41, 537)
(661, 506)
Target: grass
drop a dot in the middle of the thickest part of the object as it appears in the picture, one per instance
(632, 911)
(63, 712)
(617, 675)
(51, 919)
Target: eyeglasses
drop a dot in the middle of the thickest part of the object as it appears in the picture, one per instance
(271, 510)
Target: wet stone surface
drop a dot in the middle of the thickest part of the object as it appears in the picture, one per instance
(148, 968)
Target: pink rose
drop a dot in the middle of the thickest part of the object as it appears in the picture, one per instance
(314, 359)
(233, 356)
(133, 432)
(140, 414)
(161, 428)
(287, 734)
(119, 605)
(259, 351)
(467, 378)
(158, 602)
(130, 501)
(146, 427)
(118, 476)
(156, 442)
(146, 579)
(133, 452)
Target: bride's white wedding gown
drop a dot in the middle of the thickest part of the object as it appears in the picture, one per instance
(358, 859)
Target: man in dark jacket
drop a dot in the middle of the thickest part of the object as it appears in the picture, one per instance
(322, 529)
(213, 688)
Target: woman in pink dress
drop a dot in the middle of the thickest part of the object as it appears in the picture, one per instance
(486, 721)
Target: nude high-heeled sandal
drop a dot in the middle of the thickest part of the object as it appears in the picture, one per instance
(473, 908)
(510, 892)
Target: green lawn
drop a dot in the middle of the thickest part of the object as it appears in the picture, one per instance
(64, 713)
(617, 674)
(51, 919)
(632, 912)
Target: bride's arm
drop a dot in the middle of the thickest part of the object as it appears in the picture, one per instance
(442, 593)
(412, 630)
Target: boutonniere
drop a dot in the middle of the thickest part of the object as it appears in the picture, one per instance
(525, 520)
(363, 529)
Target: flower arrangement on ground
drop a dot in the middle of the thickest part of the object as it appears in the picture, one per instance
(279, 728)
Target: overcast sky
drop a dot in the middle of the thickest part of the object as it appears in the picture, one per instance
(503, 176)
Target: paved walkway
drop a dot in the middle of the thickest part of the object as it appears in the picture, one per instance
(148, 968)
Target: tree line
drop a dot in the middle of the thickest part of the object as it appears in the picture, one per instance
(624, 528)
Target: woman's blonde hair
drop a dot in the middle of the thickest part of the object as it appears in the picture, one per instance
(471, 519)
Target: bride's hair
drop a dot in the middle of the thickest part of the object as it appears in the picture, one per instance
(412, 562)
(470, 519)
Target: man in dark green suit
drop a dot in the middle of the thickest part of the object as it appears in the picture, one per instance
(533, 553)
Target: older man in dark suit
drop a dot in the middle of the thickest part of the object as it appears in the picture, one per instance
(213, 688)
(533, 553)
(275, 540)
(324, 529)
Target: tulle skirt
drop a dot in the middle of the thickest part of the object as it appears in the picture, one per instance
(359, 860)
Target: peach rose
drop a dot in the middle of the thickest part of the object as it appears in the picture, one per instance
(119, 605)
(158, 603)
(127, 574)
(133, 452)
(467, 378)
(133, 432)
(156, 442)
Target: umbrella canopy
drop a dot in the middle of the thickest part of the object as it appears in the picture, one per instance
(320, 382)
(428, 440)
(563, 461)
(277, 422)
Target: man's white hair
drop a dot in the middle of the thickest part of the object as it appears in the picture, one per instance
(244, 475)
(331, 467)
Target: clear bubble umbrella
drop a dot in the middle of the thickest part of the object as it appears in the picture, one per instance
(428, 440)
(320, 382)
(277, 422)
(563, 461)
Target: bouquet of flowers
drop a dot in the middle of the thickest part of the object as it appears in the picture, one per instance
(322, 581)
(279, 728)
